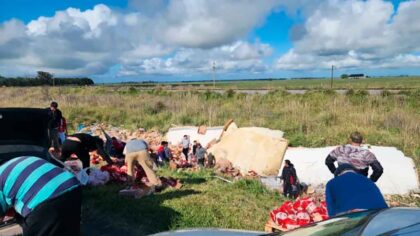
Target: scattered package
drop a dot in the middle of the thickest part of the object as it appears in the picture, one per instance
(303, 211)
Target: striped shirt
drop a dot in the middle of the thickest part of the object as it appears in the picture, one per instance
(356, 156)
(26, 182)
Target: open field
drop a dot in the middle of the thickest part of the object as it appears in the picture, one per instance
(314, 119)
(369, 83)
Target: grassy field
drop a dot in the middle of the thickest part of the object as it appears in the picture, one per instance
(314, 119)
(202, 202)
(369, 83)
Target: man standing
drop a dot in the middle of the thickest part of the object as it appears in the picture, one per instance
(185, 146)
(54, 124)
(350, 191)
(47, 199)
(194, 147)
(353, 154)
(200, 153)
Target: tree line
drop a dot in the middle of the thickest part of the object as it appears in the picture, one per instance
(44, 78)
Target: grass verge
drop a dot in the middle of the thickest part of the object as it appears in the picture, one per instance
(203, 201)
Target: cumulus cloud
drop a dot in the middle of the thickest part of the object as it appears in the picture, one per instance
(90, 42)
(348, 34)
(186, 36)
(237, 57)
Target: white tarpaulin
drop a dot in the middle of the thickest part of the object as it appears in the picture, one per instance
(399, 175)
(175, 135)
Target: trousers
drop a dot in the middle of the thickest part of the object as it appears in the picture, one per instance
(141, 157)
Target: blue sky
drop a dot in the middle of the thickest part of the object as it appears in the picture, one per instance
(135, 40)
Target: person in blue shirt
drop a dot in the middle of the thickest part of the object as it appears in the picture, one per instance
(46, 198)
(350, 191)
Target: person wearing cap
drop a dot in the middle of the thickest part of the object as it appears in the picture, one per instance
(47, 199)
(54, 124)
(81, 144)
(360, 158)
(136, 151)
(350, 191)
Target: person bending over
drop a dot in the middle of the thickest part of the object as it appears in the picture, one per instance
(350, 191)
(136, 151)
(81, 144)
(46, 198)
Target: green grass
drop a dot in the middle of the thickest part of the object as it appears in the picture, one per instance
(314, 119)
(369, 83)
(203, 201)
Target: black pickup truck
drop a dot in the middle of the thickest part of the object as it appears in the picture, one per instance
(23, 132)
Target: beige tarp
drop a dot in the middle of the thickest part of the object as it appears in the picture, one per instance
(251, 148)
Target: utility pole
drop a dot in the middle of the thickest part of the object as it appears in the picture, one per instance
(214, 74)
(332, 75)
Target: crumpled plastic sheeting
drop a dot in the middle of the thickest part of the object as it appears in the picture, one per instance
(98, 177)
(399, 175)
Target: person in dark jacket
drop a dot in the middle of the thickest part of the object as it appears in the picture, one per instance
(350, 191)
(289, 178)
(54, 125)
(194, 147)
(360, 158)
(80, 145)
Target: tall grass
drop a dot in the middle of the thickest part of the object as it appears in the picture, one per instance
(317, 118)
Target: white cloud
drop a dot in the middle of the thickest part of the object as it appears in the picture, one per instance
(186, 36)
(237, 57)
(357, 34)
(210, 23)
(90, 42)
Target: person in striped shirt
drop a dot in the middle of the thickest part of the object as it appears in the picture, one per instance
(357, 156)
(46, 198)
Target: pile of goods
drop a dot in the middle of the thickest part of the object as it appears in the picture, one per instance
(119, 175)
(153, 137)
(303, 211)
(225, 167)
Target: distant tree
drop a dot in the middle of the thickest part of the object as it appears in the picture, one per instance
(344, 76)
(46, 77)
